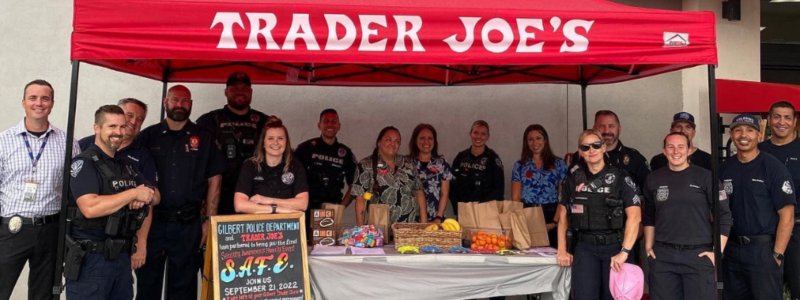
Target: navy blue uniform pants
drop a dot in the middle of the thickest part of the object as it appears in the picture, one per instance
(681, 274)
(750, 272)
(102, 279)
(590, 270)
(175, 243)
(35, 244)
(791, 268)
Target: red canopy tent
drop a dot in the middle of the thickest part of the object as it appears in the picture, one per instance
(738, 96)
(388, 43)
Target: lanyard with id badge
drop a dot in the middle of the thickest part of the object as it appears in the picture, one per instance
(31, 185)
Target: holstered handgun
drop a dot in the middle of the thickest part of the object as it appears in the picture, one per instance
(73, 259)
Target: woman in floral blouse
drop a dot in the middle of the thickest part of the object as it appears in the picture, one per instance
(537, 176)
(391, 179)
(434, 171)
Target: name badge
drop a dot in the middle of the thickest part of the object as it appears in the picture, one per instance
(577, 208)
(29, 192)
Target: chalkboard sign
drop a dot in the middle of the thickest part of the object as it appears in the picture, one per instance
(259, 256)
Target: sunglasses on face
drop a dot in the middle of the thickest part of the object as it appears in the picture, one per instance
(595, 145)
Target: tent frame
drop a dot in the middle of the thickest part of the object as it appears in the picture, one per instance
(714, 129)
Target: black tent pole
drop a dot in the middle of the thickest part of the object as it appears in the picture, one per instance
(62, 222)
(716, 139)
(583, 97)
(164, 80)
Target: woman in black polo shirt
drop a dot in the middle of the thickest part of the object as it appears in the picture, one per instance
(272, 181)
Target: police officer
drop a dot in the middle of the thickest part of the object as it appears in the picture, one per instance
(600, 204)
(328, 163)
(236, 127)
(762, 204)
(785, 146)
(135, 114)
(477, 171)
(108, 204)
(189, 166)
(677, 225)
(272, 181)
(684, 122)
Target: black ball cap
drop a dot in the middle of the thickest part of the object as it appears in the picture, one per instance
(238, 77)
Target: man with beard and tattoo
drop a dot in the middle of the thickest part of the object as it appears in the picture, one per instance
(629, 159)
(785, 146)
(139, 157)
(189, 165)
(107, 204)
(236, 127)
(762, 203)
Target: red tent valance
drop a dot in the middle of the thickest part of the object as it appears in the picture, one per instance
(738, 96)
(409, 42)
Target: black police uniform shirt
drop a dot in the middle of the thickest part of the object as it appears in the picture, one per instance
(626, 158)
(789, 155)
(757, 190)
(618, 184)
(328, 167)
(272, 181)
(469, 169)
(86, 179)
(185, 160)
(237, 136)
(699, 158)
(680, 205)
(137, 155)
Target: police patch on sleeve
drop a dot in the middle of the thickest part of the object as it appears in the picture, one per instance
(787, 187)
(287, 178)
(610, 178)
(75, 168)
(728, 187)
(630, 182)
(499, 162)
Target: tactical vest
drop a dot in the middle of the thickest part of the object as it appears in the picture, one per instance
(124, 222)
(598, 210)
(475, 185)
(324, 185)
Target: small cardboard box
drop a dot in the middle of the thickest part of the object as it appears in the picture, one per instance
(325, 236)
(322, 219)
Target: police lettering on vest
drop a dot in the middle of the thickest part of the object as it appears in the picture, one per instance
(328, 168)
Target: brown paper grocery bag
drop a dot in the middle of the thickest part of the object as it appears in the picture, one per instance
(379, 217)
(487, 215)
(519, 227)
(467, 218)
(534, 218)
(508, 205)
(338, 213)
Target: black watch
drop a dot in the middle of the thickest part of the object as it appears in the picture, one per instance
(625, 250)
(274, 208)
(441, 219)
(778, 256)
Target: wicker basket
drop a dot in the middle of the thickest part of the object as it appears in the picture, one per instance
(414, 234)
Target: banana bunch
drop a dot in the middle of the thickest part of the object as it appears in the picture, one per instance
(432, 227)
(451, 225)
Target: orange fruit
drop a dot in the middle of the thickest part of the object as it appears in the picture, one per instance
(474, 247)
(474, 238)
(494, 240)
(502, 237)
(481, 242)
(502, 244)
(494, 236)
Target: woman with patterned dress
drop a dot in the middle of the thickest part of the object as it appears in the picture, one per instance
(391, 179)
(537, 176)
(434, 171)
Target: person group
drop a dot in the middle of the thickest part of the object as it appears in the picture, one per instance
(140, 199)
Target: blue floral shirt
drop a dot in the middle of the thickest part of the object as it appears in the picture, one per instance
(432, 174)
(539, 186)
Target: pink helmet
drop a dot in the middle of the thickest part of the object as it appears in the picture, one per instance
(627, 284)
